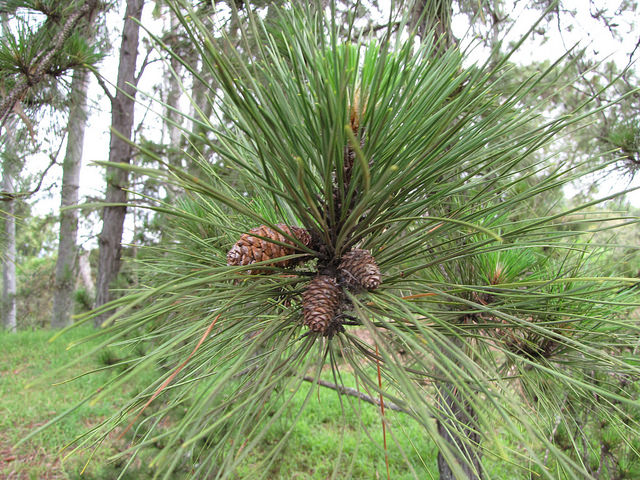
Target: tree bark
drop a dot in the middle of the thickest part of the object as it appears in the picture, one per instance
(458, 427)
(426, 15)
(66, 264)
(173, 118)
(9, 258)
(84, 273)
(199, 96)
(174, 92)
(120, 151)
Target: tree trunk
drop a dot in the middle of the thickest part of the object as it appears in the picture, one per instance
(427, 15)
(66, 264)
(174, 92)
(196, 145)
(9, 258)
(173, 118)
(84, 273)
(461, 434)
(122, 111)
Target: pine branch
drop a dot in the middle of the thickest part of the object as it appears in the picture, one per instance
(633, 52)
(100, 79)
(145, 63)
(354, 393)
(10, 196)
(44, 61)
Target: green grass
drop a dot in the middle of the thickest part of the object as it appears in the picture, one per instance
(335, 439)
(28, 399)
(327, 441)
(315, 443)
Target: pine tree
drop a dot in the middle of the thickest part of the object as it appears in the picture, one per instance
(30, 57)
(9, 166)
(66, 263)
(120, 151)
(409, 170)
(68, 255)
(35, 57)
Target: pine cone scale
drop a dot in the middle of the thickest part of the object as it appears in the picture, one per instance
(358, 269)
(255, 246)
(321, 303)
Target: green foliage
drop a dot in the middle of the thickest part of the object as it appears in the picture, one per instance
(35, 235)
(608, 444)
(586, 77)
(26, 405)
(34, 297)
(83, 300)
(400, 149)
(22, 46)
(625, 139)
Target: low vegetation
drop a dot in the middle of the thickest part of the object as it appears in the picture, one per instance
(29, 399)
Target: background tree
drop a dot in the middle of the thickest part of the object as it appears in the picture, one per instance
(34, 58)
(67, 260)
(66, 265)
(122, 110)
(9, 168)
(615, 133)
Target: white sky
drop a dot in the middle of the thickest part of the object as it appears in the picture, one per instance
(588, 33)
(586, 30)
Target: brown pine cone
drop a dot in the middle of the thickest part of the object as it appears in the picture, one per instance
(321, 303)
(358, 269)
(251, 249)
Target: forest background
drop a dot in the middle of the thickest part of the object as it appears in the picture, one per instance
(603, 39)
(68, 71)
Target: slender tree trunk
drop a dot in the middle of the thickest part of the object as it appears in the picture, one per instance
(66, 264)
(84, 273)
(457, 422)
(8, 243)
(458, 427)
(195, 144)
(174, 92)
(9, 258)
(8, 308)
(173, 118)
(426, 15)
(122, 111)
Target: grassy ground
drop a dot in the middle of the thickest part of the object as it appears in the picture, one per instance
(327, 442)
(26, 358)
(321, 437)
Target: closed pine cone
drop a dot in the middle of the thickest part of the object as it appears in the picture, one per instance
(321, 303)
(358, 269)
(251, 249)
